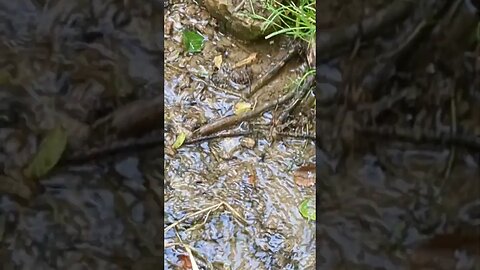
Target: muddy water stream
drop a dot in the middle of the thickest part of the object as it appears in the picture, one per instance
(253, 174)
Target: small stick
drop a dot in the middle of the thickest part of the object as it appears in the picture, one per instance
(271, 73)
(171, 244)
(339, 37)
(296, 102)
(229, 92)
(298, 136)
(211, 208)
(189, 252)
(453, 131)
(218, 136)
(235, 213)
(150, 142)
(427, 136)
(192, 258)
(240, 5)
(208, 209)
(228, 121)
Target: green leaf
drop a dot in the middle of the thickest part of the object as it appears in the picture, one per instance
(49, 153)
(307, 209)
(179, 141)
(193, 41)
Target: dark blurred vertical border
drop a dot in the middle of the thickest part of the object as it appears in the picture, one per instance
(161, 5)
(47, 37)
(317, 147)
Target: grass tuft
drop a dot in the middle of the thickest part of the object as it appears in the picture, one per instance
(292, 19)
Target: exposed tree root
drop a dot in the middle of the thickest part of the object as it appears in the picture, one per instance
(328, 42)
(229, 121)
(424, 136)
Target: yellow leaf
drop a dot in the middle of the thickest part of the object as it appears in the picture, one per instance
(179, 141)
(242, 107)
(218, 61)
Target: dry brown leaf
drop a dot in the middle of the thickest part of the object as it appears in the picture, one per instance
(305, 176)
(218, 60)
(252, 179)
(252, 175)
(185, 262)
(168, 28)
(247, 61)
(169, 151)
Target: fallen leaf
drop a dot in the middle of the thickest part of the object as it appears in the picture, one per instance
(49, 153)
(307, 209)
(12, 186)
(247, 61)
(305, 176)
(185, 262)
(168, 29)
(168, 151)
(192, 259)
(193, 42)
(180, 140)
(242, 107)
(252, 179)
(218, 60)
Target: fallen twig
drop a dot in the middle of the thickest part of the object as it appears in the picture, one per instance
(192, 258)
(384, 66)
(427, 136)
(453, 131)
(228, 121)
(298, 136)
(198, 77)
(208, 209)
(218, 136)
(182, 244)
(271, 73)
(247, 133)
(187, 248)
(126, 146)
(150, 142)
(136, 118)
(293, 105)
(330, 41)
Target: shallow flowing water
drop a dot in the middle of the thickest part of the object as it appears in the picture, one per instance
(256, 180)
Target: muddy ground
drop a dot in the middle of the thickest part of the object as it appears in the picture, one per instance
(253, 174)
